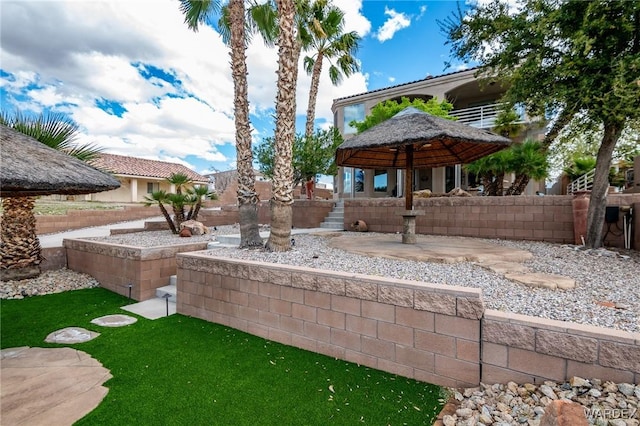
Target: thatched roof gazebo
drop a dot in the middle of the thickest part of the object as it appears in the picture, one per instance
(31, 168)
(413, 138)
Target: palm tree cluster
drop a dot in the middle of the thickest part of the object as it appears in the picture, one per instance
(528, 160)
(185, 196)
(314, 26)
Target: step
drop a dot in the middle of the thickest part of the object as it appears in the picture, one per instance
(171, 290)
(334, 214)
(332, 225)
(334, 220)
(152, 309)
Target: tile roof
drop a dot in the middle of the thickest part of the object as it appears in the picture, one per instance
(430, 77)
(132, 166)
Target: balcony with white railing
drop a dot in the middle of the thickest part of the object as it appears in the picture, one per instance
(483, 116)
(583, 183)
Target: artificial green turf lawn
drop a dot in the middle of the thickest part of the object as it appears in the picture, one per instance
(180, 370)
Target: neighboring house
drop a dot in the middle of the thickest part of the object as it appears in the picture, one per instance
(140, 177)
(474, 104)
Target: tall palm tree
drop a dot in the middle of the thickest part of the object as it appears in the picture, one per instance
(59, 132)
(328, 41)
(233, 25)
(282, 185)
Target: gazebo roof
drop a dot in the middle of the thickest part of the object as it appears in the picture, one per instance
(29, 168)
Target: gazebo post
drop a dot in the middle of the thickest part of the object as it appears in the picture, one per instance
(409, 215)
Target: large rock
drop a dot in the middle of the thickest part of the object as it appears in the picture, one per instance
(359, 226)
(564, 413)
(425, 193)
(196, 228)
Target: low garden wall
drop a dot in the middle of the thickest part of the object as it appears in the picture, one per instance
(116, 266)
(547, 218)
(435, 333)
(75, 219)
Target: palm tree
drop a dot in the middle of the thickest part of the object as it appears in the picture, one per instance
(196, 194)
(326, 23)
(160, 197)
(59, 132)
(282, 187)
(234, 33)
(178, 200)
(528, 161)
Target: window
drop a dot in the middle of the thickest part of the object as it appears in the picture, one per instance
(380, 181)
(351, 113)
(346, 180)
(153, 187)
(359, 180)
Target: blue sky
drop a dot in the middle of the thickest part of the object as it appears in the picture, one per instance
(140, 83)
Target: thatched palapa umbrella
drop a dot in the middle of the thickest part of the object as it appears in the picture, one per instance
(413, 138)
(31, 168)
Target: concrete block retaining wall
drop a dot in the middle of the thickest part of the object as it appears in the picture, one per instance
(435, 333)
(424, 331)
(75, 219)
(117, 266)
(548, 218)
(530, 350)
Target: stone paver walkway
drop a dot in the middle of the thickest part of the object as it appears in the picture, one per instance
(49, 386)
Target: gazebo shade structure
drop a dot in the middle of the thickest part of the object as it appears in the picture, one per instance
(413, 138)
(30, 168)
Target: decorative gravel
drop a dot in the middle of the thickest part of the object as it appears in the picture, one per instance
(602, 276)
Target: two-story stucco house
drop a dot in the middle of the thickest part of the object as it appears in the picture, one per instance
(474, 104)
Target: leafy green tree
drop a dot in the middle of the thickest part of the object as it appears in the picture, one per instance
(387, 109)
(328, 41)
(311, 155)
(565, 57)
(579, 166)
(20, 248)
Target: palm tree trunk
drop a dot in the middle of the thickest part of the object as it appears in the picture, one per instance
(313, 95)
(282, 190)
(598, 203)
(247, 196)
(19, 248)
(167, 217)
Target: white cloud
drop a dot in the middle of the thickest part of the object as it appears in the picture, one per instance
(393, 24)
(71, 55)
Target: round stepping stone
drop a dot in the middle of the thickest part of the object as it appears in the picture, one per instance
(71, 335)
(117, 320)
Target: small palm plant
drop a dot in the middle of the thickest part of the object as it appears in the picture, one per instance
(159, 198)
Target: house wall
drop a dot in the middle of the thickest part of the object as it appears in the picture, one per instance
(125, 193)
(436, 333)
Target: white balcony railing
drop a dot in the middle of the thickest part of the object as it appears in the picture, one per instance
(583, 183)
(481, 116)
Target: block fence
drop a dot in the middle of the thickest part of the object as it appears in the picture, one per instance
(548, 218)
(434, 333)
(75, 219)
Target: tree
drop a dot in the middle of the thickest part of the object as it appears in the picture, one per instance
(564, 57)
(387, 109)
(311, 155)
(491, 170)
(59, 132)
(328, 41)
(528, 161)
(282, 188)
(234, 33)
(160, 198)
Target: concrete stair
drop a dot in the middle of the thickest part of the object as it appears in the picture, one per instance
(157, 308)
(335, 219)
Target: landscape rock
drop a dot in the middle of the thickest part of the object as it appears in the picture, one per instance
(564, 413)
(185, 232)
(196, 228)
(359, 226)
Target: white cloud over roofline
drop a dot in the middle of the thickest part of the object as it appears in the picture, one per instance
(396, 22)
